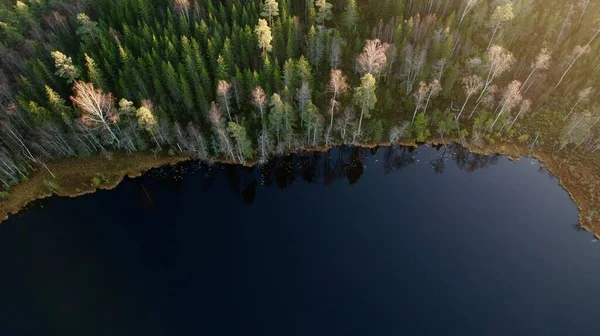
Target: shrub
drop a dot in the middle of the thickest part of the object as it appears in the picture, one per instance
(420, 129)
(96, 181)
(523, 138)
(51, 185)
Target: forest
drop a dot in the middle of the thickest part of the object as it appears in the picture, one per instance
(247, 80)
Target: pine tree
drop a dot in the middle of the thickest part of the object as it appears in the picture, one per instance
(222, 69)
(94, 73)
(263, 33)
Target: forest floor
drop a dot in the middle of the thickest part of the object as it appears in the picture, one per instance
(579, 175)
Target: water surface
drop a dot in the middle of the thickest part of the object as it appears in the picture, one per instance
(350, 242)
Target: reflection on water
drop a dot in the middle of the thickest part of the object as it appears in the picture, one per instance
(342, 163)
(354, 241)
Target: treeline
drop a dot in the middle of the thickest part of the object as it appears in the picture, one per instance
(245, 80)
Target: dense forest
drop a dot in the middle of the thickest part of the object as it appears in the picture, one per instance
(244, 80)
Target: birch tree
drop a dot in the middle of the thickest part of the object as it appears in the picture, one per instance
(499, 60)
(542, 62)
(223, 91)
(583, 95)
(469, 5)
(303, 96)
(566, 22)
(419, 95)
(525, 107)
(215, 117)
(260, 100)
(263, 147)
(434, 89)
(373, 58)
(502, 14)
(345, 122)
(582, 5)
(471, 84)
(365, 98)
(510, 98)
(337, 86)
(577, 53)
(96, 107)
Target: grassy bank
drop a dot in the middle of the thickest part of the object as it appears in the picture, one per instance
(80, 176)
(578, 175)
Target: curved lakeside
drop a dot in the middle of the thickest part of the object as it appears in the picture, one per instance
(76, 177)
(351, 232)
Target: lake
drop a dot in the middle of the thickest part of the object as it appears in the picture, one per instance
(392, 241)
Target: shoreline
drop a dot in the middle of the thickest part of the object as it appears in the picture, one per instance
(121, 166)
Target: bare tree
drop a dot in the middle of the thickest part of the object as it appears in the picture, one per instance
(542, 62)
(511, 98)
(197, 142)
(373, 58)
(263, 147)
(19, 143)
(421, 93)
(583, 95)
(303, 96)
(566, 22)
(338, 86)
(412, 65)
(469, 4)
(335, 54)
(472, 84)
(577, 53)
(215, 117)
(502, 14)
(499, 61)
(345, 121)
(96, 107)
(260, 100)
(397, 132)
(525, 107)
(434, 90)
(582, 5)
(183, 7)
(223, 91)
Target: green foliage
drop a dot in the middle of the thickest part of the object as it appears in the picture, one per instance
(165, 58)
(51, 185)
(376, 134)
(96, 181)
(420, 129)
(523, 138)
(4, 195)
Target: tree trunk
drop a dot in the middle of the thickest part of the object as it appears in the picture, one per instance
(415, 113)
(572, 109)
(362, 112)
(493, 35)
(463, 107)
(576, 58)
(331, 122)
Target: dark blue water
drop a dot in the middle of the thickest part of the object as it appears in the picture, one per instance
(351, 242)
